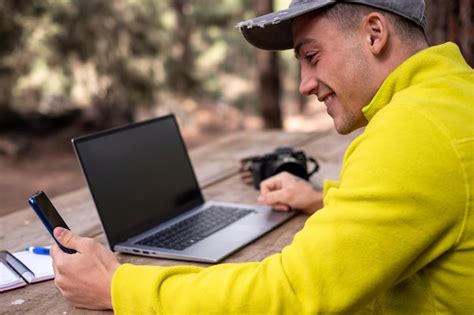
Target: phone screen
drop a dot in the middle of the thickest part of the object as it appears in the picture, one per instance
(49, 211)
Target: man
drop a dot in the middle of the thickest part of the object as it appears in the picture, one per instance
(395, 234)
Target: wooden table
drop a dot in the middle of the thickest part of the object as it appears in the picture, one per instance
(216, 165)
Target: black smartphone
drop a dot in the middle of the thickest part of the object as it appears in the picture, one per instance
(49, 216)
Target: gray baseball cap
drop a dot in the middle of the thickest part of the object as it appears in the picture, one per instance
(273, 31)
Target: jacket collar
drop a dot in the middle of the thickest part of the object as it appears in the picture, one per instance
(425, 65)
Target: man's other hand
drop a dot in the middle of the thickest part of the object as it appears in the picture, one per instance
(83, 278)
(285, 191)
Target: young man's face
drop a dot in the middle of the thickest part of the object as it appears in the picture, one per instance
(335, 68)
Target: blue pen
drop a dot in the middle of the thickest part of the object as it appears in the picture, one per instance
(38, 250)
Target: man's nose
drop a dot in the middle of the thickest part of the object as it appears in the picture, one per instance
(308, 84)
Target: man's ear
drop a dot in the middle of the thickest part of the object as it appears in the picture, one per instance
(376, 32)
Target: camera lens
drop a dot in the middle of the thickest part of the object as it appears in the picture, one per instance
(294, 168)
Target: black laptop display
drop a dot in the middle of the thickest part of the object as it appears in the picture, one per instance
(142, 181)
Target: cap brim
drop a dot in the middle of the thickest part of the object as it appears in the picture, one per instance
(273, 31)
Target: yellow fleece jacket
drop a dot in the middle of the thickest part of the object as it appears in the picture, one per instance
(395, 236)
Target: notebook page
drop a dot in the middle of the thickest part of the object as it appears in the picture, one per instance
(40, 265)
(9, 279)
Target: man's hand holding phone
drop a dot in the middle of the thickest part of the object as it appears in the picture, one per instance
(83, 278)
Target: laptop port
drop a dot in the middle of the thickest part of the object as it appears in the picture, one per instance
(145, 252)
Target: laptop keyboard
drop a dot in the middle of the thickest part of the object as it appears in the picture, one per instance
(193, 229)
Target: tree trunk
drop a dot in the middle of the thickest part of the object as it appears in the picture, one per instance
(269, 86)
(7, 80)
(184, 78)
(451, 21)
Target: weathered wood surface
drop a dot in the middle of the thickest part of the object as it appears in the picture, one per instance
(216, 166)
(212, 162)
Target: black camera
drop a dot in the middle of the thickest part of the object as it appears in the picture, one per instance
(281, 160)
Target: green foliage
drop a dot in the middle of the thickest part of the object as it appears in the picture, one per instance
(118, 41)
(119, 54)
(17, 18)
(13, 14)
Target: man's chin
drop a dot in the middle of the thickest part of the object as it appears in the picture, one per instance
(343, 129)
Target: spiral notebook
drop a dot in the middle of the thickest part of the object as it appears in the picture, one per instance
(22, 268)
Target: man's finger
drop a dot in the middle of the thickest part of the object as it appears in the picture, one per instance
(53, 256)
(66, 238)
(268, 185)
(275, 182)
(281, 207)
(53, 251)
(272, 197)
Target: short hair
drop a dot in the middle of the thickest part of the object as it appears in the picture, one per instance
(349, 15)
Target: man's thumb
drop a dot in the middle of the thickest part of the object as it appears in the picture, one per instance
(65, 237)
(271, 197)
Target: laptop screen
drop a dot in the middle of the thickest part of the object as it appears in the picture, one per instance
(139, 176)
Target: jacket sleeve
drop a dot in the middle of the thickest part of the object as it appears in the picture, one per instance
(395, 210)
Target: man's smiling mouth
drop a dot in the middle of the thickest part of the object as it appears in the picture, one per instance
(326, 98)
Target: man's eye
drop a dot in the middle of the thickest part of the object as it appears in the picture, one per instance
(312, 59)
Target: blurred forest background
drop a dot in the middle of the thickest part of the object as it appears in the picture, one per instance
(68, 68)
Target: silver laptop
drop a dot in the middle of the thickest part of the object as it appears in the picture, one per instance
(149, 201)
